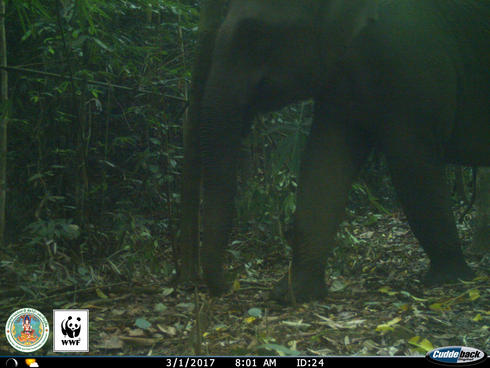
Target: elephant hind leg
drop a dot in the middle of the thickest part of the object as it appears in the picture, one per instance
(418, 174)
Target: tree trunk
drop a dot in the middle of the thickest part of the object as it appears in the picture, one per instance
(481, 236)
(210, 20)
(3, 122)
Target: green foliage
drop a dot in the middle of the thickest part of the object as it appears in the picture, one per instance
(45, 232)
(93, 156)
(268, 199)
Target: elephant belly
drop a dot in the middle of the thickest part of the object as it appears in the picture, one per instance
(428, 64)
(470, 143)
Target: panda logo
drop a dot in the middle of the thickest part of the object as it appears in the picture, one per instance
(71, 327)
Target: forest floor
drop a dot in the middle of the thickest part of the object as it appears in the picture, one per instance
(376, 304)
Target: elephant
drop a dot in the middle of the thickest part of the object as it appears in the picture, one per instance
(407, 77)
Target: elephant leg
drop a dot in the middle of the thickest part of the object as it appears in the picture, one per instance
(220, 137)
(481, 233)
(219, 187)
(418, 173)
(333, 156)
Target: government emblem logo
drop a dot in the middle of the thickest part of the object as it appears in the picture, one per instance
(27, 330)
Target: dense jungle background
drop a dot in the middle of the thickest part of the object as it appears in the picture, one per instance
(97, 95)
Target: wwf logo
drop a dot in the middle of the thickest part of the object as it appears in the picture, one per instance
(71, 327)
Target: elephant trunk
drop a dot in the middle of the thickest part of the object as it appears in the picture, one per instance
(220, 135)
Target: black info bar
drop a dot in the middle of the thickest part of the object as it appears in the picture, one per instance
(208, 361)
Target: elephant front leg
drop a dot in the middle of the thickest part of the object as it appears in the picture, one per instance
(418, 174)
(331, 161)
(219, 187)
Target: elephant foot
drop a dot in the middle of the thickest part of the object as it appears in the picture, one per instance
(448, 274)
(217, 284)
(305, 288)
(186, 276)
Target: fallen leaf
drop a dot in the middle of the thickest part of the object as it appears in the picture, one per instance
(388, 326)
(169, 330)
(367, 235)
(100, 294)
(329, 322)
(118, 312)
(142, 323)
(112, 343)
(423, 345)
(137, 332)
(298, 324)
(167, 291)
(406, 293)
(387, 290)
(477, 318)
(255, 312)
(250, 319)
(160, 307)
(279, 349)
(337, 285)
(185, 306)
(140, 341)
(474, 294)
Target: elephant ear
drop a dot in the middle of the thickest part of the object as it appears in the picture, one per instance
(345, 19)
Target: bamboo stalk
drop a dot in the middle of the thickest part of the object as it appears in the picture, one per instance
(3, 122)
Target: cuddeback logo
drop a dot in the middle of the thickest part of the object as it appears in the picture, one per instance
(456, 355)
